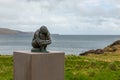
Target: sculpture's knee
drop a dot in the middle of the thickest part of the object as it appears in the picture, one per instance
(35, 44)
(45, 47)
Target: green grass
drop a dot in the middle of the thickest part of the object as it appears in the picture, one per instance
(91, 67)
(6, 68)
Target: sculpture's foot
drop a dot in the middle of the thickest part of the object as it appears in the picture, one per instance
(38, 50)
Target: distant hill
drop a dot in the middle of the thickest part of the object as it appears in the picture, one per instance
(10, 31)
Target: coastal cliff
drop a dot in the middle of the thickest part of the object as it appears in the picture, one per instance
(114, 47)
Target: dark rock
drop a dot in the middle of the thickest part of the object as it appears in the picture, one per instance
(99, 51)
(88, 52)
(91, 51)
(83, 54)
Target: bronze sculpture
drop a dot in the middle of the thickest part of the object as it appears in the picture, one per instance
(41, 39)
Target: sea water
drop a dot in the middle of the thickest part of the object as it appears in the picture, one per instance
(70, 44)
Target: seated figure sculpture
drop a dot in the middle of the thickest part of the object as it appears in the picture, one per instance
(41, 39)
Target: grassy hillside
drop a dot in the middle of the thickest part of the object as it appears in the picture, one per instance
(90, 67)
(93, 67)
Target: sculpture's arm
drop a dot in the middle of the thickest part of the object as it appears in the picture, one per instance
(48, 41)
(44, 42)
(40, 41)
(37, 38)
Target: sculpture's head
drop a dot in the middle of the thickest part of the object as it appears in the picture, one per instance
(44, 30)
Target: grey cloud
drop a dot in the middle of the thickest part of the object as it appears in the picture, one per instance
(67, 14)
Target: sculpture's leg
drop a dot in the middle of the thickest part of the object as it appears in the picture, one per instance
(36, 49)
(42, 48)
(45, 47)
(35, 44)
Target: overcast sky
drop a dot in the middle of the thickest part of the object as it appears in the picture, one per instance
(62, 16)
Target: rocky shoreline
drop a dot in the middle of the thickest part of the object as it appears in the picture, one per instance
(114, 47)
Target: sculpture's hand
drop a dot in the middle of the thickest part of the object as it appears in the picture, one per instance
(45, 42)
(48, 41)
(42, 42)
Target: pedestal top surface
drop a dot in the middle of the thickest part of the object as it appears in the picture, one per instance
(29, 52)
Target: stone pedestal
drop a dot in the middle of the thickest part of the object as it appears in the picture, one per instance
(38, 66)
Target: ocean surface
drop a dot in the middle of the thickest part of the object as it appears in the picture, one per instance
(70, 44)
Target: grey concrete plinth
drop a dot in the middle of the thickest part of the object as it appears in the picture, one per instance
(38, 66)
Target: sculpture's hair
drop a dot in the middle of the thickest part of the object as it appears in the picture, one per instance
(44, 29)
